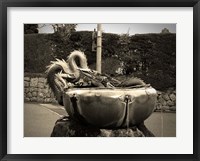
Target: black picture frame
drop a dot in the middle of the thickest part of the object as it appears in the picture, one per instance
(99, 3)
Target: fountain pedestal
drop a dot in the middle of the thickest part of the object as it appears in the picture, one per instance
(67, 127)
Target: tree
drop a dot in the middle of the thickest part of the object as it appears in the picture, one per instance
(64, 30)
(165, 31)
(61, 42)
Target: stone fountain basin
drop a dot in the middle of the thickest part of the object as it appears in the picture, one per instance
(110, 108)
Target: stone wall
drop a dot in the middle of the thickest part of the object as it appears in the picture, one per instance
(166, 100)
(36, 89)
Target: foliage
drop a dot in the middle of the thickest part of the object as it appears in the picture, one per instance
(30, 28)
(165, 30)
(64, 30)
(151, 57)
(37, 53)
(157, 57)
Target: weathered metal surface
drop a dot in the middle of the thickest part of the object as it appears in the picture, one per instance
(110, 108)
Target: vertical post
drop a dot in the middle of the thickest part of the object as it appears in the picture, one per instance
(99, 46)
(94, 40)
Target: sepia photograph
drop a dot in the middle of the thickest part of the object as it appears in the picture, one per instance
(100, 80)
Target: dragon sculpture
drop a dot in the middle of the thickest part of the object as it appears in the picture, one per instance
(62, 75)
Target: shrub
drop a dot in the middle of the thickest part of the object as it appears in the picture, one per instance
(151, 57)
(37, 53)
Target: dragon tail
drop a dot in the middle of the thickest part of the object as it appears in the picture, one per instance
(54, 84)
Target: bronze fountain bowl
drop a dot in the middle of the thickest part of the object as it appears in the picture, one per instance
(110, 108)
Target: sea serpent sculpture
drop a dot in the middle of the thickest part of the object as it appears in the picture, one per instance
(62, 75)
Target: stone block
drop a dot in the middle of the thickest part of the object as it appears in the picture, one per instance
(159, 96)
(26, 90)
(54, 100)
(29, 95)
(162, 101)
(27, 79)
(48, 95)
(158, 106)
(165, 108)
(40, 90)
(173, 108)
(34, 94)
(33, 89)
(52, 95)
(42, 80)
(26, 84)
(40, 94)
(45, 91)
(166, 97)
(40, 85)
(26, 99)
(40, 100)
(48, 100)
(170, 103)
(172, 97)
(34, 82)
(34, 99)
(46, 85)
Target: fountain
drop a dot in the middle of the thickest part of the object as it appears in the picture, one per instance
(97, 104)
